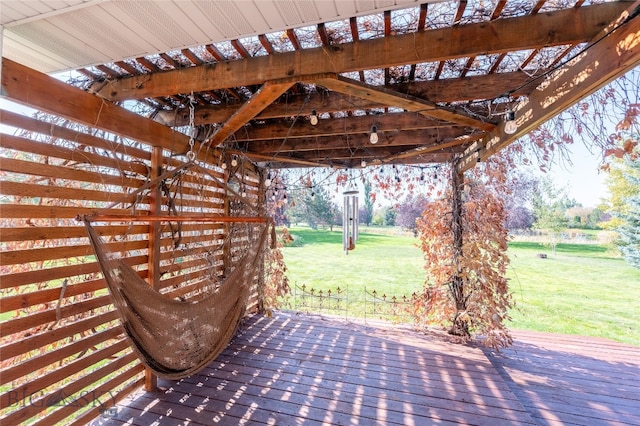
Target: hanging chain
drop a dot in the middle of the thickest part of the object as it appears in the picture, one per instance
(191, 155)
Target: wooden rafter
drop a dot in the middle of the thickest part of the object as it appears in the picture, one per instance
(190, 55)
(613, 53)
(338, 127)
(498, 36)
(266, 44)
(397, 99)
(469, 88)
(56, 97)
(435, 147)
(322, 32)
(268, 93)
(355, 141)
(240, 48)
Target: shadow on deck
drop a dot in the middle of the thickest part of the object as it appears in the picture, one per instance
(308, 370)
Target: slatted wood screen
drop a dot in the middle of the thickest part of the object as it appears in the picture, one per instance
(64, 357)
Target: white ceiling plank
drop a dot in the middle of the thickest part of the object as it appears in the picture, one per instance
(39, 10)
(346, 9)
(238, 17)
(271, 15)
(18, 47)
(159, 22)
(201, 17)
(89, 25)
(135, 45)
(9, 14)
(124, 29)
(129, 21)
(52, 39)
(289, 12)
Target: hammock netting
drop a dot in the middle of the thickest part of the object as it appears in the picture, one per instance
(179, 324)
(176, 338)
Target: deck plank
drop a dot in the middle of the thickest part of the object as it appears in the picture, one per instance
(572, 380)
(312, 370)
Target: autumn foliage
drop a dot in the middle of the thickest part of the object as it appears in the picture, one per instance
(464, 241)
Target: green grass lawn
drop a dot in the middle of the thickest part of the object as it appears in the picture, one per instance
(583, 289)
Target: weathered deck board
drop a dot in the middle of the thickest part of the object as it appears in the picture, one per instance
(573, 380)
(309, 370)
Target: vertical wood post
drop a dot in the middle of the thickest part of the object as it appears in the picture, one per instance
(226, 248)
(456, 286)
(153, 262)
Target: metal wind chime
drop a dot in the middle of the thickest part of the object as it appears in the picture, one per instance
(350, 220)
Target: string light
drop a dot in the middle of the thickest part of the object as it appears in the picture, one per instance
(313, 118)
(234, 160)
(267, 181)
(510, 125)
(373, 137)
(363, 164)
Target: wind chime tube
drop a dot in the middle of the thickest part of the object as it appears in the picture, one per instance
(345, 225)
(350, 220)
(355, 220)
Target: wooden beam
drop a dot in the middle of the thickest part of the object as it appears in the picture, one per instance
(269, 92)
(337, 127)
(400, 100)
(611, 55)
(38, 90)
(468, 88)
(273, 158)
(356, 141)
(435, 147)
(502, 35)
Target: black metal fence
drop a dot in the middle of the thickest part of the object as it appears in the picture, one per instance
(361, 304)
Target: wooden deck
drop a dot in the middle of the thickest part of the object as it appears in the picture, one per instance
(307, 370)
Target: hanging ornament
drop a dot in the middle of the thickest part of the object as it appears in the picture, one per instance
(350, 220)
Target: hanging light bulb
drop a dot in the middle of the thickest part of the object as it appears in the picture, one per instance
(510, 125)
(313, 194)
(422, 177)
(313, 118)
(267, 181)
(234, 160)
(224, 165)
(373, 137)
(363, 164)
(244, 191)
(284, 198)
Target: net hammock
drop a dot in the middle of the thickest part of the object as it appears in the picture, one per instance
(175, 338)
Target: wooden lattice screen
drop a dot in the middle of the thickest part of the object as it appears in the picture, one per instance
(64, 357)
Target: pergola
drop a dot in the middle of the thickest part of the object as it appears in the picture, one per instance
(271, 84)
(435, 80)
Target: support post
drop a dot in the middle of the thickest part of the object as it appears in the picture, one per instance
(456, 285)
(153, 261)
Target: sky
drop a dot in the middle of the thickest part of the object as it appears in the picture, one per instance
(583, 180)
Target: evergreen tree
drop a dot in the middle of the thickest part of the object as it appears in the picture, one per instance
(629, 229)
